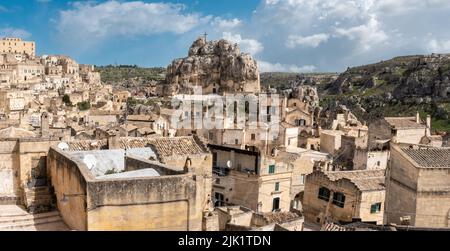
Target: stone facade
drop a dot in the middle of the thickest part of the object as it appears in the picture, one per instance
(17, 45)
(417, 186)
(344, 196)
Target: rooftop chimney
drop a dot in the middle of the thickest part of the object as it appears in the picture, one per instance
(45, 124)
(428, 125)
(114, 141)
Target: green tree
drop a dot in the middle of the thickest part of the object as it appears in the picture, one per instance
(66, 100)
(83, 106)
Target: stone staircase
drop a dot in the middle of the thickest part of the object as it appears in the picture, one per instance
(15, 218)
(39, 199)
(10, 200)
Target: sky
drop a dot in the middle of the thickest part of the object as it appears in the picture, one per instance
(283, 35)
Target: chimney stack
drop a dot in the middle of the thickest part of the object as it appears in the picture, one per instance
(45, 124)
(114, 141)
(428, 125)
(417, 118)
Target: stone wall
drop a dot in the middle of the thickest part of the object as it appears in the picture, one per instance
(421, 193)
(315, 209)
(401, 187)
(173, 202)
(9, 167)
(70, 177)
(159, 203)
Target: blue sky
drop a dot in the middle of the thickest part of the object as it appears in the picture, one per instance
(283, 35)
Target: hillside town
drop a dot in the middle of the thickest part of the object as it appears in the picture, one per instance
(207, 149)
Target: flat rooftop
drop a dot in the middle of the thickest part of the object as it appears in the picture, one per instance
(101, 162)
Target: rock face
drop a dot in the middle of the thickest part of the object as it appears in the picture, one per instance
(217, 66)
(397, 87)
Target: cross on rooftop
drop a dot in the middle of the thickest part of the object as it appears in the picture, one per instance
(205, 35)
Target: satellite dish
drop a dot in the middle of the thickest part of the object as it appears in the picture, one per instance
(63, 146)
(229, 164)
(90, 161)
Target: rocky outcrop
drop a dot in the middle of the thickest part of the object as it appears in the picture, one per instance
(216, 66)
(397, 87)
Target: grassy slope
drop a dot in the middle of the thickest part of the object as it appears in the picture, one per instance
(114, 74)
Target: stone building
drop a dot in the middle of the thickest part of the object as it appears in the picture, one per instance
(417, 186)
(344, 196)
(17, 45)
(300, 162)
(238, 218)
(23, 168)
(243, 177)
(157, 184)
(408, 130)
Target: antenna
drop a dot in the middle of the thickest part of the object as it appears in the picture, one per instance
(205, 35)
(126, 111)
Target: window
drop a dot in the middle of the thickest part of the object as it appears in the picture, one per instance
(378, 163)
(324, 194)
(276, 204)
(272, 169)
(218, 181)
(302, 179)
(211, 135)
(219, 200)
(339, 199)
(375, 208)
(253, 136)
(214, 162)
(236, 142)
(277, 186)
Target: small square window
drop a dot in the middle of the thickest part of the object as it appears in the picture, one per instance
(302, 179)
(272, 169)
(324, 194)
(339, 199)
(375, 208)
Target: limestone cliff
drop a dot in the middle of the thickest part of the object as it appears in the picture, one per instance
(401, 86)
(216, 66)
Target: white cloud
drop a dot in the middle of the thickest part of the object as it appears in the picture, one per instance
(226, 24)
(90, 21)
(368, 34)
(13, 32)
(309, 41)
(250, 46)
(277, 67)
(439, 46)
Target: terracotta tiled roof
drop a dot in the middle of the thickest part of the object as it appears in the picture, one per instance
(87, 145)
(280, 217)
(15, 132)
(140, 117)
(404, 123)
(430, 157)
(164, 147)
(365, 180)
